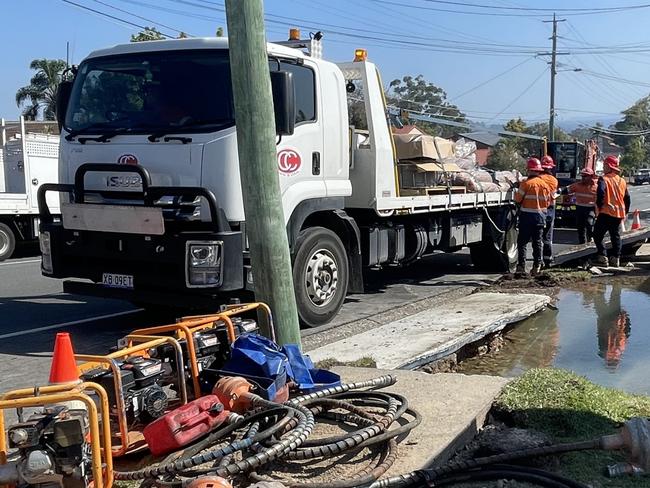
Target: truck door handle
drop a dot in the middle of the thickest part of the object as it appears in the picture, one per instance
(315, 163)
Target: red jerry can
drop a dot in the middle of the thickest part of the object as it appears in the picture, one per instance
(184, 425)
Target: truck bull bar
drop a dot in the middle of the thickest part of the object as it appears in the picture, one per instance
(149, 193)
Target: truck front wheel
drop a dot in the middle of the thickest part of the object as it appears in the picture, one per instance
(7, 242)
(320, 275)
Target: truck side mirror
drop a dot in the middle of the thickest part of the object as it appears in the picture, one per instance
(284, 102)
(62, 99)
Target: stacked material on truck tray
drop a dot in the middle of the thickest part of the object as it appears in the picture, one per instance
(429, 163)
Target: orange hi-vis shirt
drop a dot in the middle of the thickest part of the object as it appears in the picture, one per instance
(614, 201)
(551, 182)
(585, 194)
(533, 195)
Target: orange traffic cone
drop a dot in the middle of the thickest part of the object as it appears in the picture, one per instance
(64, 367)
(636, 222)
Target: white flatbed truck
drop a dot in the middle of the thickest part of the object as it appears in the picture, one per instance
(152, 206)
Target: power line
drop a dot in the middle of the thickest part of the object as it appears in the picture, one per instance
(480, 85)
(111, 16)
(503, 14)
(139, 17)
(536, 9)
(614, 78)
(516, 99)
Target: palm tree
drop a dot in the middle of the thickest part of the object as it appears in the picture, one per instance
(40, 94)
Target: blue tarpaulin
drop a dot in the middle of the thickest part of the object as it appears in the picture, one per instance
(255, 355)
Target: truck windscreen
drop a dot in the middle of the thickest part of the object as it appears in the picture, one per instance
(171, 91)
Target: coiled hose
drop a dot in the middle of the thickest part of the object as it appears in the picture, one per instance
(272, 433)
(290, 424)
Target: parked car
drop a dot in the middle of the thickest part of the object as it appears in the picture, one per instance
(642, 176)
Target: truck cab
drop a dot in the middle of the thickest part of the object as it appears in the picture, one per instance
(154, 123)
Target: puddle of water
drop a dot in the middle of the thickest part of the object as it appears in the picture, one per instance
(600, 330)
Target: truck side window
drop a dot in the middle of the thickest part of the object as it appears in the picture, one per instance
(304, 80)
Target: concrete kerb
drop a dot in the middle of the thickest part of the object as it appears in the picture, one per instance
(432, 334)
(450, 418)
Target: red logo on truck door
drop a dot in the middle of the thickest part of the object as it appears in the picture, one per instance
(289, 161)
(127, 159)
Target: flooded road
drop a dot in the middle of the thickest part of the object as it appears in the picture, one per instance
(600, 330)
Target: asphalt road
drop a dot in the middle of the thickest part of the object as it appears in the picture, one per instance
(33, 308)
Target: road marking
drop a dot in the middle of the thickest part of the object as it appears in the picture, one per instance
(69, 324)
(21, 262)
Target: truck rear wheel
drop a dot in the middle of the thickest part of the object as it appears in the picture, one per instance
(7, 242)
(488, 255)
(320, 275)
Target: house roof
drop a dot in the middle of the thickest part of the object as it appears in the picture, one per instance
(487, 138)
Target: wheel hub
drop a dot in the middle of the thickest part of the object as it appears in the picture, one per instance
(321, 277)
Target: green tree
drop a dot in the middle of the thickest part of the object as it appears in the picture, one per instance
(148, 34)
(636, 147)
(635, 154)
(419, 95)
(40, 95)
(505, 157)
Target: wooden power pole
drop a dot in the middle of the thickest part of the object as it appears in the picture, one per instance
(256, 138)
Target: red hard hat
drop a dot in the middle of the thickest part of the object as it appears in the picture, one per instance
(612, 162)
(533, 164)
(547, 162)
(587, 172)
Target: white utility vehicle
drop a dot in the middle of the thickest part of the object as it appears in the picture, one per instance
(27, 160)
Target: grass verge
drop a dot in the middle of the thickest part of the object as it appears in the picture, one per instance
(569, 408)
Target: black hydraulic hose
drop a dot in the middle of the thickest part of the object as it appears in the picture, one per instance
(291, 442)
(201, 458)
(352, 440)
(416, 478)
(501, 472)
(379, 382)
(218, 435)
(363, 477)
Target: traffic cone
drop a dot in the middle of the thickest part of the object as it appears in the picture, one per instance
(636, 220)
(64, 367)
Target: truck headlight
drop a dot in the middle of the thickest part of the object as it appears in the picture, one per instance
(203, 263)
(46, 252)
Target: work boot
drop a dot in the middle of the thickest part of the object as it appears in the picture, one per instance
(614, 262)
(601, 261)
(521, 270)
(537, 269)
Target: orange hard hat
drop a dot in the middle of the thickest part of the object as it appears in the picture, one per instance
(612, 163)
(587, 172)
(533, 164)
(547, 162)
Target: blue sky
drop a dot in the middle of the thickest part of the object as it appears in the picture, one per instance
(404, 37)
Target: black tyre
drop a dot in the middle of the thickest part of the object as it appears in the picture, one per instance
(7, 242)
(320, 275)
(497, 255)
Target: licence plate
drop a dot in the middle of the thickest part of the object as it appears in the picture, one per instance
(114, 280)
